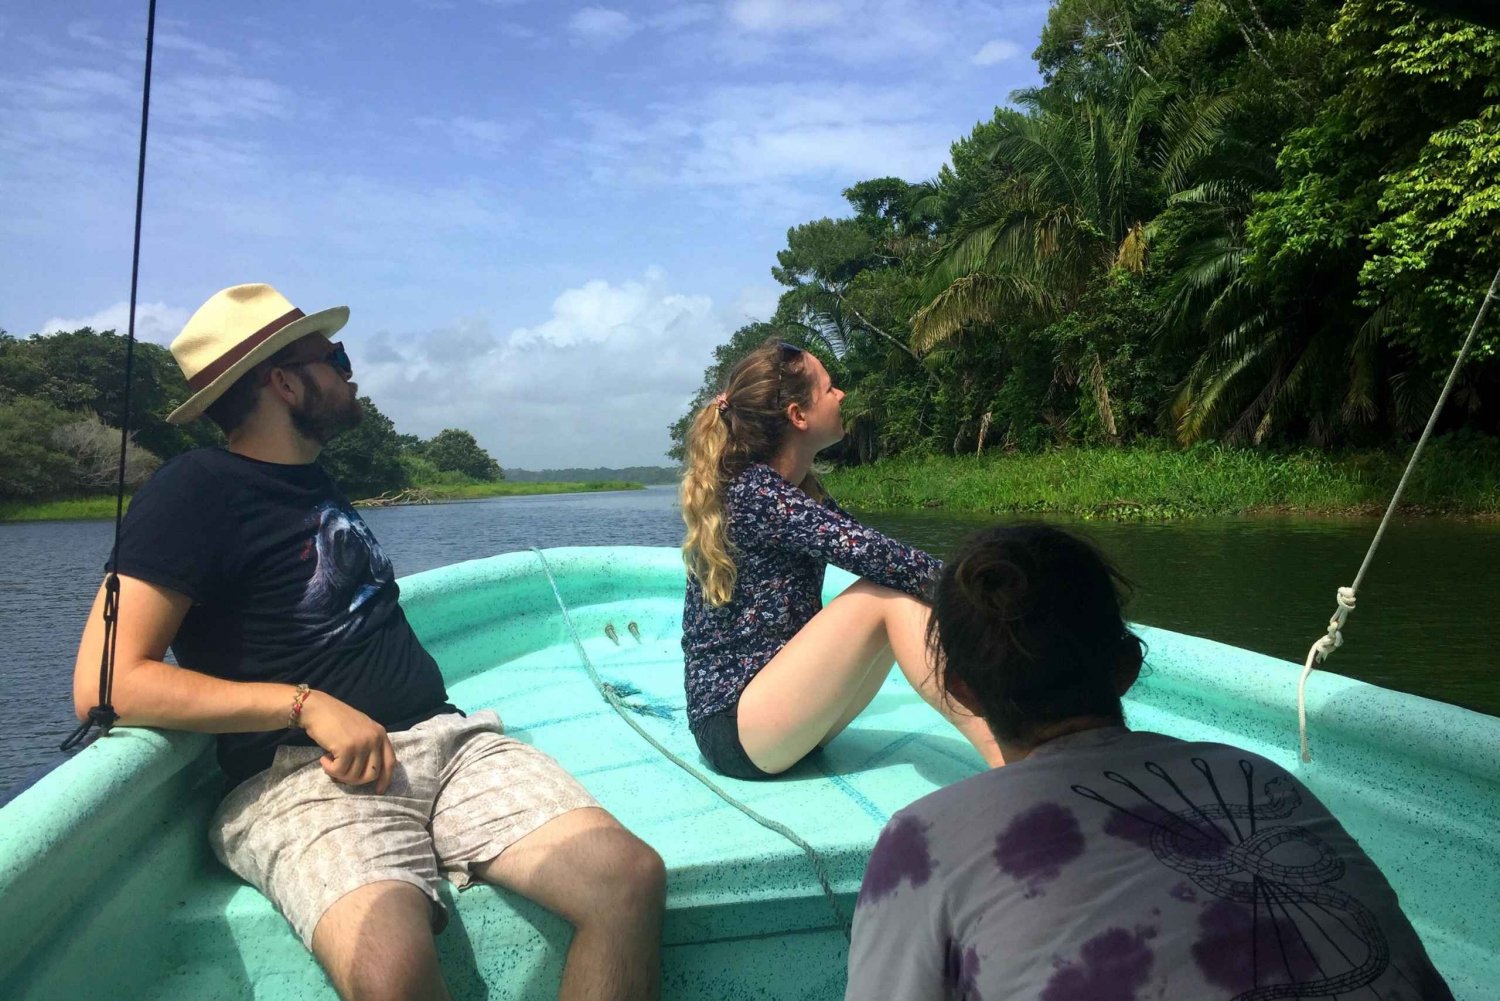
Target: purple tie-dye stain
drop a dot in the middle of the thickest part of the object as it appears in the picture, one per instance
(961, 973)
(1113, 966)
(901, 853)
(1184, 892)
(1038, 843)
(1232, 944)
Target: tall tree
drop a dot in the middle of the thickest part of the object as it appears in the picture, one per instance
(453, 450)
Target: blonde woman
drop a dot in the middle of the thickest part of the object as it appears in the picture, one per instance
(771, 674)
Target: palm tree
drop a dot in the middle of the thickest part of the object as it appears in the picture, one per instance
(1262, 360)
(1078, 181)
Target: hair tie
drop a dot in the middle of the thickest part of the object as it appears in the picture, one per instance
(722, 402)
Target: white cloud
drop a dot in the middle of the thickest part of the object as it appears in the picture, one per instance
(773, 16)
(485, 136)
(682, 15)
(995, 51)
(759, 142)
(206, 54)
(482, 207)
(91, 34)
(521, 33)
(601, 27)
(755, 303)
(597, 382)
(196, 100)
(154, 321)
(852, 32)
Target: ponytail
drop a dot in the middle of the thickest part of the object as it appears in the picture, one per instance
(744, 424)
(705, 549)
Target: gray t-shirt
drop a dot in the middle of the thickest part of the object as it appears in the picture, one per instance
(1118, 866)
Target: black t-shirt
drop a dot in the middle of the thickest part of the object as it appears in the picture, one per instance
(288, 585)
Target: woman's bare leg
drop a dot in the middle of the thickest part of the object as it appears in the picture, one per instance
(875, 675)
(822, 677)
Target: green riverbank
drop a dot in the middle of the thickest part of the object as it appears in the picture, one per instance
(1456, 476)
(96, 508)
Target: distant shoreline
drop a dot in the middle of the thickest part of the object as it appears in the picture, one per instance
(1117, 484)
(102, 508)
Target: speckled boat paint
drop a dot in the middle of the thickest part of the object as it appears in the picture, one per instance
(107, 888)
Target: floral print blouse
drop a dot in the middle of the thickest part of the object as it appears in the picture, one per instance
(781, 540)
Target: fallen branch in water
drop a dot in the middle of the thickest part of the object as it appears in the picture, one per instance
(411, 495)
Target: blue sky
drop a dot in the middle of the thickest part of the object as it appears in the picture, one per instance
(543, 215)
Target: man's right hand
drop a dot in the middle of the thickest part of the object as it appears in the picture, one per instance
(357, 750)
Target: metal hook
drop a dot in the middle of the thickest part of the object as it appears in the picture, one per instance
(609, 630)
(635, 631)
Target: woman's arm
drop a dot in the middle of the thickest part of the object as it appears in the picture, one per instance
(790, 519)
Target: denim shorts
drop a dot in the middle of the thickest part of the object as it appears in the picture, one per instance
(718, 738)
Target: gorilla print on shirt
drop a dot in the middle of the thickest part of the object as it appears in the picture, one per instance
(351, 567)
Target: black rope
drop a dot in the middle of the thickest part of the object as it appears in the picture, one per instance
(103, 715)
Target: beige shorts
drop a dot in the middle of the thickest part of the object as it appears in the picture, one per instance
(462, 793)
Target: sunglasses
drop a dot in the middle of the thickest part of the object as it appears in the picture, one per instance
(784, 353)
(336, 357)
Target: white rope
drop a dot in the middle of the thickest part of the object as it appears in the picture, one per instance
(1333, 638)
(814, 859)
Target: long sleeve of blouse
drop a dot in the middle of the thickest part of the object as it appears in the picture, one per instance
(771, 514)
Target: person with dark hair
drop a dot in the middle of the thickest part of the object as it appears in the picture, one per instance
(1102, 862)
(771, 674)
(353, 783)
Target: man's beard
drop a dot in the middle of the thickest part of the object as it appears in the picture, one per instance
(320, 419)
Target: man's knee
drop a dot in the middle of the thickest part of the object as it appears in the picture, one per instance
(376, 943)
(633, 879)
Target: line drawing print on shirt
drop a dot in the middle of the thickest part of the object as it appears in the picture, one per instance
(1281, 872)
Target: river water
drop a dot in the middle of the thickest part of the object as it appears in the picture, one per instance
(1425, 622)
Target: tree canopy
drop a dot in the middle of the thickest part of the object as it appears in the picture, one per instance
(1250, 221)
(62, 402)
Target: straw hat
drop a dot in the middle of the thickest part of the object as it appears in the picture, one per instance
(234, 331)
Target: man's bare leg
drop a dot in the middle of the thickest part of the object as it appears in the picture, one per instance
(585, 867)
(376, 945)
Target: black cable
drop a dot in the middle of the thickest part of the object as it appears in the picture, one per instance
(103, 715)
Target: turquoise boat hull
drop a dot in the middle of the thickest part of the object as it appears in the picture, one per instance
(107, 887)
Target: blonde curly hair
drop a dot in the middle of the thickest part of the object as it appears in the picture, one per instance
(745, 424)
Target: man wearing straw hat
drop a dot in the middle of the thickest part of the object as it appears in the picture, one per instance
(353, 780)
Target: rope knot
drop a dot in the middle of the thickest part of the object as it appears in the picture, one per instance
(1321, 648)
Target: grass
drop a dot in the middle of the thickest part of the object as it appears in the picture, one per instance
(74, 509)
(1459, 475)
(103, 507)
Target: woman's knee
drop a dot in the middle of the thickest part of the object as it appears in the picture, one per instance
(866, 587)
(877, 598)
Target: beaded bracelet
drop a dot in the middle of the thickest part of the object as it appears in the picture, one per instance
(294, 719)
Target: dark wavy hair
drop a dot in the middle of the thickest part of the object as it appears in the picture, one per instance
(1027, 618)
